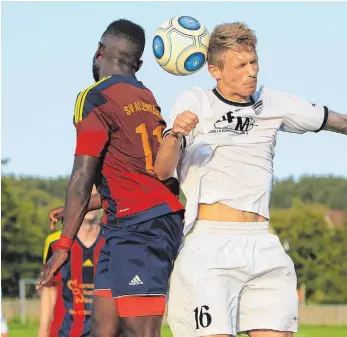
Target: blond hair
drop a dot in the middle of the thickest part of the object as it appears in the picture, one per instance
(230, 36)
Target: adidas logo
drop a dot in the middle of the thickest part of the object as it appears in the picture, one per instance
(135, 281)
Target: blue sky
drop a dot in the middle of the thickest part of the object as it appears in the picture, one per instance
(47, 51)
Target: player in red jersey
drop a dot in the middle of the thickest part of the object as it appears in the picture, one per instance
(66, 303)
(119, 131)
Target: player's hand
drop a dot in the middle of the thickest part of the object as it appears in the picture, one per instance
(55, 215)
(184, 124)
(52, 265)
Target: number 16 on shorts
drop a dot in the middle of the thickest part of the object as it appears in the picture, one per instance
(203, 318)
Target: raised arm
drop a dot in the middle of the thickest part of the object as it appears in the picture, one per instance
(178, 135)
(173, 144)
(336, 123)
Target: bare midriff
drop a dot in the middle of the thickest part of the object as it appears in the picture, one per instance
(224, 213)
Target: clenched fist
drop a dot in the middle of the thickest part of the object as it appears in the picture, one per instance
(184, 124)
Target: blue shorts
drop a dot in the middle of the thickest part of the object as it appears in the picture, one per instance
(135, 264)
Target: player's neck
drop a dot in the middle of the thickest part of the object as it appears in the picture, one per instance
(228, 94)
(88, 233)
(116, 69)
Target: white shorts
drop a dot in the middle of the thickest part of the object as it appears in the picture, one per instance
(230, 278)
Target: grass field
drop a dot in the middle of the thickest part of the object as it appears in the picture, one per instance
(17, 330)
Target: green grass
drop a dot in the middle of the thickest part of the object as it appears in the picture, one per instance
(18, 330)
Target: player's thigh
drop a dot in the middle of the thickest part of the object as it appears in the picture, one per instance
(102, 284)
(145, 326)
(269, 301)
(141, 260)
(203, 297)
(270, 333)
(105, 319)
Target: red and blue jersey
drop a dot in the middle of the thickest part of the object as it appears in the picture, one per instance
(75, 286)
(118, 120)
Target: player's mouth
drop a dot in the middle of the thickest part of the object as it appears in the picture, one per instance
(251, 84)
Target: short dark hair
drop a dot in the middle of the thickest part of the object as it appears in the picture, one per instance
(129, 31)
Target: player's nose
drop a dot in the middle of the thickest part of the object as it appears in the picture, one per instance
(251, 70)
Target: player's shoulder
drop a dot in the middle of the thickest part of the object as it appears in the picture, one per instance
(193, 93)
(112, 81)
(192, 97)
(276, 95)
(90, 98)
(98, 93)
(94, 91)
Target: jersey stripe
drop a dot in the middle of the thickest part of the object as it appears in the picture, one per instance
(77, 105)
(82, 97)
(50, 239)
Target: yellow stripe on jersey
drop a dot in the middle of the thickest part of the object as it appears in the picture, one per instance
(82, 97)
(77, 105)
(50, 238)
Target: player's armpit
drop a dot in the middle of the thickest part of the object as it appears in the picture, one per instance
(47, 304)
(336, 123)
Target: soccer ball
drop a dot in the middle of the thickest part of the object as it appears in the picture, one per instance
(180, 45)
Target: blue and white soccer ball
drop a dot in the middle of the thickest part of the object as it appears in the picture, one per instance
(180, 45)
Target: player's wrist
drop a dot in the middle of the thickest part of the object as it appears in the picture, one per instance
(177, 135)
(64, 243)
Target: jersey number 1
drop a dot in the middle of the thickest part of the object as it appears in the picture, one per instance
(146, 146)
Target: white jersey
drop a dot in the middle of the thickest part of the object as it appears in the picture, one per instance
(228, 157)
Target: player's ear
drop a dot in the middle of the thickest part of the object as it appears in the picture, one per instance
(139, 65)
(100, 50)
(215, 72)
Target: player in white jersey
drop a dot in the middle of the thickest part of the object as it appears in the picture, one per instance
(231, 274)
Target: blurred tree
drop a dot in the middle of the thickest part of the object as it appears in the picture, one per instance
(330, 191)
(24, 226)
(318, 252)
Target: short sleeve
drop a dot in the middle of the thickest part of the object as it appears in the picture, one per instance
(187, 101)
(301, 116)
(47, 250)
(92, 123)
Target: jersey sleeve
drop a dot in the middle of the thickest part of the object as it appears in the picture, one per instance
(187, 101)
(93, 123)
(47, 250)
(301, 116)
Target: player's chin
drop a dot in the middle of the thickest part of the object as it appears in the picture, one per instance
(249, 89)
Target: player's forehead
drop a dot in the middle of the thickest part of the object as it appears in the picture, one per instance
(239, 56)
